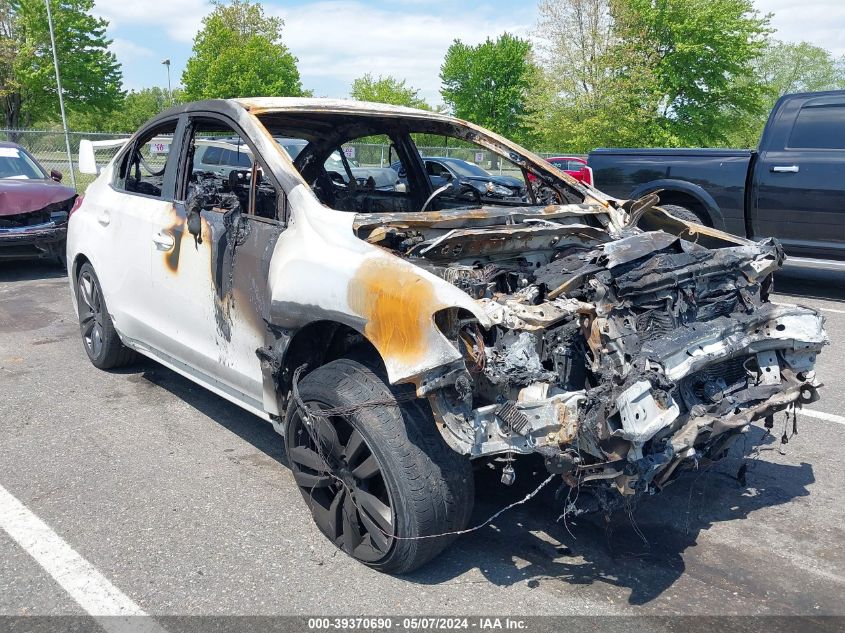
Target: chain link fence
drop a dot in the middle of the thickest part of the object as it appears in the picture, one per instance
(48, 147)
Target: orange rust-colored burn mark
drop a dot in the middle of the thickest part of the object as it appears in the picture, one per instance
(397, 304)
(174, 228)
(177, 227)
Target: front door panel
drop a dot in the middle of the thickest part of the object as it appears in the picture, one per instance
(214, 293)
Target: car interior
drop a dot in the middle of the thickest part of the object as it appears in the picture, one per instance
(142, 170)
(333, 181)
(222, 163)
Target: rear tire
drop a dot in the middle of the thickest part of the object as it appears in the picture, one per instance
(99, 338)
(682, 213)
(376, 472)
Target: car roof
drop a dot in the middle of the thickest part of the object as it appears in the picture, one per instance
(10, 144)
(306, 105)
(317, 104)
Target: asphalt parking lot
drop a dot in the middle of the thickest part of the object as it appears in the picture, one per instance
(183, 502)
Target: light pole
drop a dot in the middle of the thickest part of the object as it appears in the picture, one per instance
(61, 97)
(166, 62)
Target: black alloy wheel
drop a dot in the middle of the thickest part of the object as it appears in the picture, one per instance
(343, 484)
(91, 311)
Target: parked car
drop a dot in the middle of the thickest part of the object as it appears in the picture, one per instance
(343, 170)
(221, 156)
(572, 165)
(791, 187)
(443, 171)
(34, 207)
(394, 336)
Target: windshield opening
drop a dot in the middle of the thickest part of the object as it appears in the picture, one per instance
(381, 162)
(16, 164)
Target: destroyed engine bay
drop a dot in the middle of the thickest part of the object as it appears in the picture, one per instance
(620, 354)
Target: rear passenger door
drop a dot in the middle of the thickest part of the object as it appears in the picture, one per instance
(141, 190)
(799, 182)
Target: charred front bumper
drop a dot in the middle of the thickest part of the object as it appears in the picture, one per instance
(658, 357)
(33, 235)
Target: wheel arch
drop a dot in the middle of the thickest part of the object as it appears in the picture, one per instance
(78, 262)
(314, 344)
(685, 194)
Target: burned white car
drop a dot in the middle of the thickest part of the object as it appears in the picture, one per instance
(395, 335)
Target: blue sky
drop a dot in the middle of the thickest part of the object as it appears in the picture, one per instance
(339, 40)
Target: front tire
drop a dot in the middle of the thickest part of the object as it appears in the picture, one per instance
(682, 213)
(99, 338)
(375, 478)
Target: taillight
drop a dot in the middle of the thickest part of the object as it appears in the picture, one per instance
(76, 204)
(588, 175)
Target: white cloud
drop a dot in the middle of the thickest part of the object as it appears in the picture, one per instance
(344, 39)
(820, 22)
(124, 49)
(179, 19)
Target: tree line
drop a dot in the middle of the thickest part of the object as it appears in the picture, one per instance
(633, 73)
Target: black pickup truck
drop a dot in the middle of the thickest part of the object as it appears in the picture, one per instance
(792, 187)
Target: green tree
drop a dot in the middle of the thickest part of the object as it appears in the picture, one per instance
(700, 53)
(787, 67)
(591, 90)
(90, 73)
(489, 84)
(239, 53)
(783, 68)
(658, 72)
(387, 89)
(136, 108)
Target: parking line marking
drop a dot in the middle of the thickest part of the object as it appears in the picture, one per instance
(821, 415)
(79, 578)
(792, 305)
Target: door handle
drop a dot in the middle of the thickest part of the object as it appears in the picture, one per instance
(164, 241)
(785, 169)
(104, 218)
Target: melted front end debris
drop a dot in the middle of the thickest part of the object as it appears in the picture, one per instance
(617, 354)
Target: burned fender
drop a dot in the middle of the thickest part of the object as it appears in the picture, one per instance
(385, 298)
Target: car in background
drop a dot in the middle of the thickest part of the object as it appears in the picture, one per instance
(343, 170)
(34, 207)
(221, 156)
(572, 165)
(791, 187)
(442, 171)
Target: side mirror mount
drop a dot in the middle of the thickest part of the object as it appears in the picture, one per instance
(195, 225)
(56, 175)
(194, 205)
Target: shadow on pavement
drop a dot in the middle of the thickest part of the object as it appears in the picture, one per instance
(230, 416)
(29, 270)
(642, 551)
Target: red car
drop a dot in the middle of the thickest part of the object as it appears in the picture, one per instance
(34, 207)
(572, 165)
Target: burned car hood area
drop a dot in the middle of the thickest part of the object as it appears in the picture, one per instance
(617, 341)
(618, 352)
